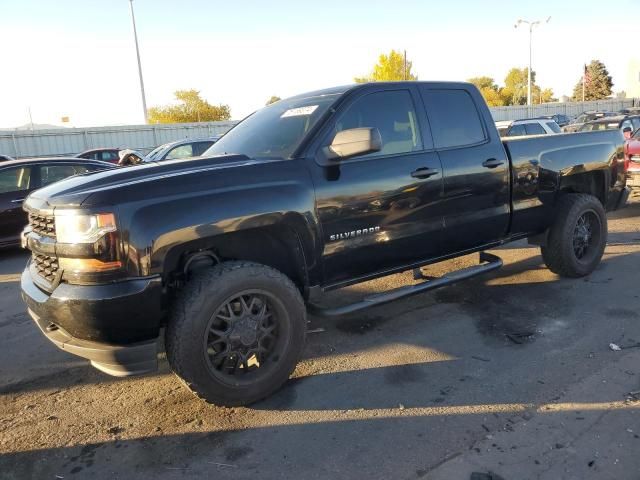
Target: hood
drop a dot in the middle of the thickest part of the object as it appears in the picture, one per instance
(79, 190)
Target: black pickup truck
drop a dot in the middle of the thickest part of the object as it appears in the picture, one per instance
(217, 259)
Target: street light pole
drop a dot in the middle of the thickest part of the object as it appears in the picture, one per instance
(531, 25)
(135, 37)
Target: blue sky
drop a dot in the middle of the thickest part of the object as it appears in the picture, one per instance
(76, 58)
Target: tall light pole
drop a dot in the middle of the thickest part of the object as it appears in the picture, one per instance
(531, 25)
(135, 37)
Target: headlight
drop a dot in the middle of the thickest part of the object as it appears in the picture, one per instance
(80, 228)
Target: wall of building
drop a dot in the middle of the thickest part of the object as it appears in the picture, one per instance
(633, 79)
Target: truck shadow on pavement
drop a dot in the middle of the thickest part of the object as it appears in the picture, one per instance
(359, 444)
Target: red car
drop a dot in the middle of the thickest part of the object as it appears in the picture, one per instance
(632, 159)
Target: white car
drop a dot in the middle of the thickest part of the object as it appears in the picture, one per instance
(531, 126)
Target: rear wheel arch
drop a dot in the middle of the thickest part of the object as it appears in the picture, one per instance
(593, 183)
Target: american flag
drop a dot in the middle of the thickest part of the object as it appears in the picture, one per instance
(586, 76)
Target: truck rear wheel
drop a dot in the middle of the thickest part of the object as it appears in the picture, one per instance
(236, 333)
(578, 236)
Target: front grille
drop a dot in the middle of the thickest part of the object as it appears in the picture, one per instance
(42, 224)
(47, 267)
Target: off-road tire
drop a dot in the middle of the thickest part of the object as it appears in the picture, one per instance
(559, 254)
(190, 318)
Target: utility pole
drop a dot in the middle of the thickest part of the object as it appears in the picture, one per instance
(531, 25)
(30, 119)
(135, 37)
(584, 80)
(405, 65)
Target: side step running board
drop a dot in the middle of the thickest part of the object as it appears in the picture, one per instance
(488, 263)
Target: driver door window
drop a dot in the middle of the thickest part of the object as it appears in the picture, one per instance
(393, 114)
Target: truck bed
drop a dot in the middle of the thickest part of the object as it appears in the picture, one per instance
(543, 165)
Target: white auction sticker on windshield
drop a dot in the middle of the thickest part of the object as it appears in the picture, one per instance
(296, 112)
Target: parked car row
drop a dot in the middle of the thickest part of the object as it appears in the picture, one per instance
(18, 178)
(176, 150)
(627, 120)
(627, 124)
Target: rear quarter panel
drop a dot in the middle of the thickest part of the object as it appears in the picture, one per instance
(541, 164)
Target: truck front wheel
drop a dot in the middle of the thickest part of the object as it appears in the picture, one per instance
(236, 333)
(578, 236)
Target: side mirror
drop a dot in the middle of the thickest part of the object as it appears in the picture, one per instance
(352, 142)
(626, 131)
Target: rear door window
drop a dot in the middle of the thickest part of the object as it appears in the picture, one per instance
(109, 156)
(534, 129)
(517, 131)
(200, 147)
(454, 118)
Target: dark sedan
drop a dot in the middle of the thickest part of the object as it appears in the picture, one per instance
(105, 154)
(18, 178)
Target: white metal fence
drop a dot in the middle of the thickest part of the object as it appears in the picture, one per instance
(69, 141)
(572, 109)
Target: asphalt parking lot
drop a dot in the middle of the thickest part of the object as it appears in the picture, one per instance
(509, 373)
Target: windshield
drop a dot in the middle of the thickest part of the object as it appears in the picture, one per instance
(274, 132)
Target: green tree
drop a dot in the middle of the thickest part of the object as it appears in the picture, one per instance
(273, 99)
(544, 96)
(489, 89)
(484, 82)
(598, 84)
(515, 90)
(191, 108)
(515, 86)
(390, 68)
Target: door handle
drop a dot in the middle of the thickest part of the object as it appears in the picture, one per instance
(492, 163)
(18, 200)
(424, 172)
